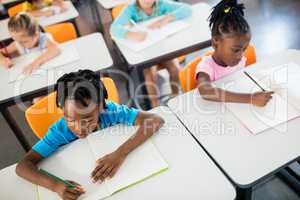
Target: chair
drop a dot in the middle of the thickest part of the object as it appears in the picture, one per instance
(44, 113)
(15, 9)
(62, 32)
(187, 74)
(115, 12)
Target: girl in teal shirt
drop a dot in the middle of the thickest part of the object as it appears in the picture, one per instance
(143, 10)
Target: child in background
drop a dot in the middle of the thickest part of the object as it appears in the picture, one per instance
(28, 37)
(41, 8)
(82, 97)
(230, 38)
(143, 10)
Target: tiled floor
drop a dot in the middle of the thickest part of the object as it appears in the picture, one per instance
(275, 27)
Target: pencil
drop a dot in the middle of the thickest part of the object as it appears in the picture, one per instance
(57, 178)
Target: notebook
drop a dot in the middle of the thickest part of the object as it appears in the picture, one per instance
(69, 54)
(258, 119)
(10, 181)
(153, 35)
(77, 160)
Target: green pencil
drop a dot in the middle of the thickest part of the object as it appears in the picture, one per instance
(57, 178)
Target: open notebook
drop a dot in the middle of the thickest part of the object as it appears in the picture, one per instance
(13, 187)
(153, 35)
(69, 54)
(258, 119)
(77, 160)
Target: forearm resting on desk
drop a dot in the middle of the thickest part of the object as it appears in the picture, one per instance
(148, 125)
(211, 93)
(27, 169)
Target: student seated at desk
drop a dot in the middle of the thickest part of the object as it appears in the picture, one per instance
(230, 38)
(143, 10)
(39, 8)
(28, 37)
(82, 97)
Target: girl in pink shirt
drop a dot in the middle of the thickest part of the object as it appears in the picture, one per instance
(230, 37)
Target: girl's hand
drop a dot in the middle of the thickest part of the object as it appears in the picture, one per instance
(261, 98)
(7, 62)
(67, 193)
(107, 166)
(137, 36)
(162, 22)
(30, 68)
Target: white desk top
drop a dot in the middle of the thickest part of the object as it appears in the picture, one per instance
(70, 14)
(197, 33)
(93, 55)
(246, 158)
(191, 174)
(108, 4)
(13, 187)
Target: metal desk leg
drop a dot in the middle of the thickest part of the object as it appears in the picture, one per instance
(16, 129)
(290, 178)
(244, 193)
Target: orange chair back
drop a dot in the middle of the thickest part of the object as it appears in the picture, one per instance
(62, 32)
(187, 74)
(44, 113)
(15, 9)
(115, 12)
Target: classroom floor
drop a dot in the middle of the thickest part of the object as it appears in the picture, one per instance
(275, 27)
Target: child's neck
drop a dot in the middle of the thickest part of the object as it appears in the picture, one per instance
(218, 61)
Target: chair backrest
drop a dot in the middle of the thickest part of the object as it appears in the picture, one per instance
(62, 32)
(115, 12)
(44, 113)
(187, 74)
(15, 9)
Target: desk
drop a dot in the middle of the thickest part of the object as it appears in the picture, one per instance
(191, 174)
(69, 15)
(109, 4)
(247, 159)
(93, 55)
(12, 187)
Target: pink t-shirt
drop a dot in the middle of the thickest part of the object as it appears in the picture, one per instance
(215, 71)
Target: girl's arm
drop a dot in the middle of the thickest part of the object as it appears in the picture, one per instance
(52, 50)
(118, 28)
(27, 169)
(109, 164)
(208, 92)
(173, 11)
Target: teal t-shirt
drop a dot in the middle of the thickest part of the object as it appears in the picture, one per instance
(59, 134)
(133, 12)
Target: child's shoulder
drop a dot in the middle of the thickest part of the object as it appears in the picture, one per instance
(207, 60)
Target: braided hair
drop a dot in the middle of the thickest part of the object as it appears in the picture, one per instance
(82, 86)
(228, 17)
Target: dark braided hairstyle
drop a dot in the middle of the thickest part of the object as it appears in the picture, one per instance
(228, 17)
(82, 86)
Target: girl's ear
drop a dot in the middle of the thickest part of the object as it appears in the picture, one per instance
(215, 42)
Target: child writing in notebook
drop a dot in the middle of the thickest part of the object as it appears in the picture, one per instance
(44, 8)
(143, 10)
(83, 98)
(28, 37)
(230, 38)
